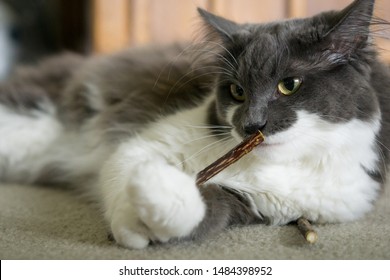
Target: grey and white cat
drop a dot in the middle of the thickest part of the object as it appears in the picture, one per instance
(134, 128)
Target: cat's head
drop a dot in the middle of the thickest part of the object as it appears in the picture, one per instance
(275, 75)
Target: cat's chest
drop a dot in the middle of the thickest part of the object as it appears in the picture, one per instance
(321, 175)
(335, 190)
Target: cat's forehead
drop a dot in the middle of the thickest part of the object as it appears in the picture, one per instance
(280, 35)
(263, 54)
(260, 54)
(289, 28)
(269, 48)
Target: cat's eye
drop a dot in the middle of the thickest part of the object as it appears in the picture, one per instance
(289, 86)
(237, 92)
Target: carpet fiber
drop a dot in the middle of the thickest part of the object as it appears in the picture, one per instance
(44, 223)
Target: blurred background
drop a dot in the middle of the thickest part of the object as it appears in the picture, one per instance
(32, 29)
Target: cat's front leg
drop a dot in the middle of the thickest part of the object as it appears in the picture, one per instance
(148, 198)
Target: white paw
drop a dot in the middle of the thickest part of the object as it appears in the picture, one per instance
(169, 205)
(150, 202)
(127, 230)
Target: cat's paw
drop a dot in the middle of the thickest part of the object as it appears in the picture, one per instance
(127, 229)
(156, 203)
(169, 204)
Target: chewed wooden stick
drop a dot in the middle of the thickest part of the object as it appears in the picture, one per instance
(246, 146)
(229, 158)
(307, 230)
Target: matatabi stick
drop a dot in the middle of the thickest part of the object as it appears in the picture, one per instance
(307, 230)
(246, 146)
(229, 158)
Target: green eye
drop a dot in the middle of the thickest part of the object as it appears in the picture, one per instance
(237, 92)
(289, 86)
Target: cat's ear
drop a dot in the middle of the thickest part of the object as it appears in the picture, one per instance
(350, 30)
(224, 28)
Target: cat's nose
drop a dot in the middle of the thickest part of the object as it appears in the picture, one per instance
(254, 127)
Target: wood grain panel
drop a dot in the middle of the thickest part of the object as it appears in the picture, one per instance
(164, 21)
(110, 25)
(119, 23)
(314, 7)
(383, 11)
(305, 8)
(180, 19)
(250, 10)
(297, 8)
(140, 22)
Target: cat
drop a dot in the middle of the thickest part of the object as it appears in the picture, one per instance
(132, 129)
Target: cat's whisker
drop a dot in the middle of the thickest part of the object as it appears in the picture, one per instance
(192, 49)
(213, 70)
(171, 63)
(383, 158)
(383, 163)
(204, 149)
(176, 88)
(209, 126)
(227, 147)
(216, 55)
(224, 48)
(190, 80)
(221, 82)
(207, 136)
(216, 131)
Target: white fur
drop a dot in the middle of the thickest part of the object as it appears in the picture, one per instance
(34, 141)
(156, 200)
(23, 141)
(313, 169)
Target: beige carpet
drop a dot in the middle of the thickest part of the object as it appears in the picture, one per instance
(44, 223)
